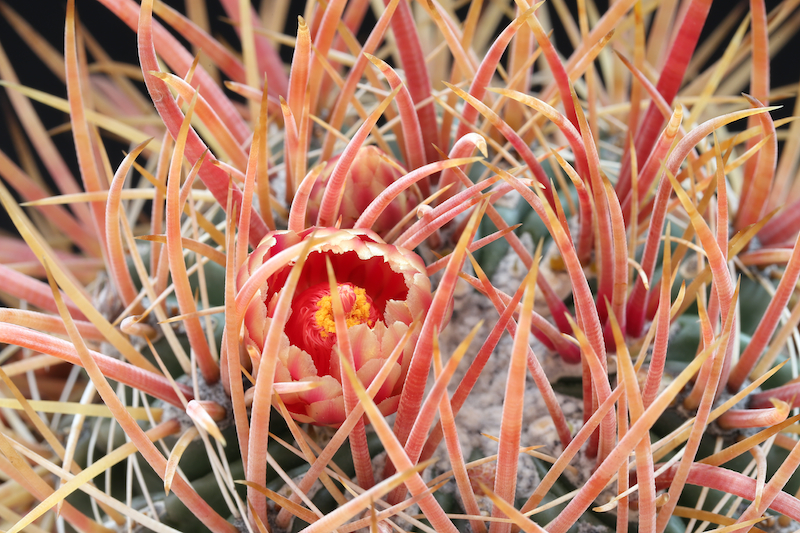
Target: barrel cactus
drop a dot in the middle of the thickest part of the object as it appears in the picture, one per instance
(285, 306)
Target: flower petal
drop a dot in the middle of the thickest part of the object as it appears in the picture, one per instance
(300, 364)
(364, 343)
(389, 405)
(328, 412)
(327, 389)
(370, 369)
(397, 311)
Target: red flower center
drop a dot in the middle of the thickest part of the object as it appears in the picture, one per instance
(312, 326)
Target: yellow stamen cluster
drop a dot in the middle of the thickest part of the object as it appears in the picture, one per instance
(359, 312)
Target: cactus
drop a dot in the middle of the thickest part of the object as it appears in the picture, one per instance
(285, 308)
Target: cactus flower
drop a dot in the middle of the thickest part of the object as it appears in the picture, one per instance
(370, 174)
(383, 289)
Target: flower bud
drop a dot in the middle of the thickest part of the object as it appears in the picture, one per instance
(369, 175)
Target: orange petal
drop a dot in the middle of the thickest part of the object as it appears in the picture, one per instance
(389, 405)
(328, 412)
(254, 319)
(393, 336)
(398, 311)
(368, 372)
(364, 343)
(327, 390)
(300, 364)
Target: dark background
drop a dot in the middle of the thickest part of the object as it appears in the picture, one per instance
(120, 42)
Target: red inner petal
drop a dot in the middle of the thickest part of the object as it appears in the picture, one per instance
(374, 275)
(311, 328)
